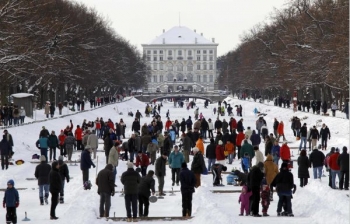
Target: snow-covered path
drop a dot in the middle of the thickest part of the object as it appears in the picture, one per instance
(316, 203)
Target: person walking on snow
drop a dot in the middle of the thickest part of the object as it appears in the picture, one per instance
(42, 172)
(11, 202)
(188, 182)
(316, 160)
(176, 158)
(244, 200)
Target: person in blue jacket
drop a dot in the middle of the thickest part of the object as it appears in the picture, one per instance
(43, 145)
(175, 161)
(172, 134)
(11, 202)
(86, 162)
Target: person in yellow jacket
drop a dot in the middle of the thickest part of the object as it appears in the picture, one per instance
(200, 144)
(231, 152)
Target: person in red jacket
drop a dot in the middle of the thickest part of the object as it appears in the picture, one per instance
(239, 139)
(143, 161)
(220, 153)
(233, 124)
(78, 134)
(68, 128)
(333, 165)
(280, 131)
(110, 124)
(285, 152)
(61, 139)
(168, 124)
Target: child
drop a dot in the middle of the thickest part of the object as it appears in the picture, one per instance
(245, 163)
(244, 200)
(11, 202)
(265, 199)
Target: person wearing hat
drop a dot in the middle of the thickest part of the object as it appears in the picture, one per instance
(284, 183)
(334, 166)
(187, 145)
(168, 144)
(131, 179)
(152, 148)
(303, 168)
(160, 172)
(64, 173)
(78, 134)
(188, 182)
(280, 131)
(325, 134)
(113, 157)
(86, 163)
(303, 136)
(316, 160)
(22, 114)
(220, 153)
(55, 182)
(43, 143)
(93, 142)
(189, 123)
(61, 139)
(254, 179)
(42, 172)
(69, 144)
(11, 202)
(200, 144)
(343, 162)
(198, 165)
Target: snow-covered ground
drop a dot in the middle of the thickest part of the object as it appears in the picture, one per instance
(315, 203)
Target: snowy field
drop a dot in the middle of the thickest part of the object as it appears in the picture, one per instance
(315, 203)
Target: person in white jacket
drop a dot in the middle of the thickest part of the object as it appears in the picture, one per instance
(22, 114)
(113, 158)
(93, 142)
(210, 128)
(334, 107)
(259, 157)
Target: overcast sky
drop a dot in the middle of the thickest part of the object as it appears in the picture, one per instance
(140, 21)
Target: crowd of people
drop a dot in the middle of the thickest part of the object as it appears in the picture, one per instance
(174, 142)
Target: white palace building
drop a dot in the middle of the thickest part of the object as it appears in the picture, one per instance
(181, 59)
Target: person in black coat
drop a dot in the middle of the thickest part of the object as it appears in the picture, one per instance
(325, 135)
(254, 179)
(130, 179)
(197, 165)
(5, 149)
(284, 183)
(188, 182)
(136, 126)
(105, 183)
(145, 187)
(218, 125)
(86, 162)
(343, 163)
(204, 128)
(42, 172)
(242, 177)
(183, 125)
(64, 172)
(55, 188)
(316, 160)
(303, 168)
(210, 153)
(240, 125)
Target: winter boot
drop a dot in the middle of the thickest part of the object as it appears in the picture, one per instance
(46, 199)
(41, 201)
(61, 200)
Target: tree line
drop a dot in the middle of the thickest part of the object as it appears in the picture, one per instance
(60, 49)
(304, 48)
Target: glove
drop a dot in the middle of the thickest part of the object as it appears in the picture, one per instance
(70, 121)
(4, 205)
(67, 180)
(17, 204)
(294, 190)
(238, 202)
(93, 165)
(112, 194)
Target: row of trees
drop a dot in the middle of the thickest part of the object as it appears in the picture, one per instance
(56, 48)
(305, 48)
